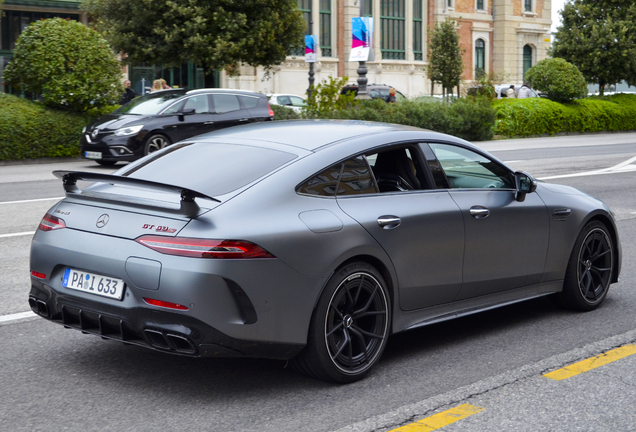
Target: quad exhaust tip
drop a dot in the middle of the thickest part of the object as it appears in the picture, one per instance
(170, 341)
(39, 307)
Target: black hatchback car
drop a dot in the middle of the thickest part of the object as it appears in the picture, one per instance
(151, 122)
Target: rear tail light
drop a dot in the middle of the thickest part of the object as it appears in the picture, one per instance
(165, 304)
(203, 248)
(38, 274)
(50, 223)
(271, 111)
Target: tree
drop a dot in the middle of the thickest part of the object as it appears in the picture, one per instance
(67, 64)
(560, 80)
(599, 37)
(216, 34)
(445, 63)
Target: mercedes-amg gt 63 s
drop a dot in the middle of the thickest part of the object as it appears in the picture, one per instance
(312, 241)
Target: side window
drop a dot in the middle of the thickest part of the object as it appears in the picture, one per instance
(224, 103)
(322, 184)
(466, 169)
(200, 103)
(249, 101)
(356, 178)
(297, 101)
(397, 170)
(177, 107)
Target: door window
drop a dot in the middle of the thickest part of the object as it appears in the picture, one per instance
(466, 169)
(224, 103)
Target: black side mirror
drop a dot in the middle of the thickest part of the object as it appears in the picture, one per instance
(188, 111)
(524, 184)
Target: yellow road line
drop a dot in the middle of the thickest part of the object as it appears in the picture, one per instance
(440, 420)
(592, 363)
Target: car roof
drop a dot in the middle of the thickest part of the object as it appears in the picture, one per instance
(222, 90)
(309, 135)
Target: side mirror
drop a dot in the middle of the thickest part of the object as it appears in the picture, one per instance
(188, 111)
(524, 184)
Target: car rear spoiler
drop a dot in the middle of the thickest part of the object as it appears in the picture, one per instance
(187, 207)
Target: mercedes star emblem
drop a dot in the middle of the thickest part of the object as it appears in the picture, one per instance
(102, 221)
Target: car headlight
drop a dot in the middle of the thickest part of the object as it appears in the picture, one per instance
(84, 129)
(129, 130)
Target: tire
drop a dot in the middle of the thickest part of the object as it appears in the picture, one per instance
(155, 143)
(107, 163)
(349, 327)
(589, 271)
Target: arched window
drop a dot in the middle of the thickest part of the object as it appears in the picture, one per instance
(527, 59)
(480, 58)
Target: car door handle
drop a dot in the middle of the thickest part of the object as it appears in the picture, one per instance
(208, 122)
(479, 212)
(389, 222)
(244, 119)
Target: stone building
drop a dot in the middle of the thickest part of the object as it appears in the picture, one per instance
(504, 37)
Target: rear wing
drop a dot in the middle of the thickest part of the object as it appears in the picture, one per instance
(187, 207)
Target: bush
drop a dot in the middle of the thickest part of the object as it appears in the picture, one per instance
(68, 65)
(468, 118)
(284, 113)
(30, 130)
(559, 80)
(326, 98)
(537, 116)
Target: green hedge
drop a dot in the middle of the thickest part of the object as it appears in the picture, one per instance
(468, 118)
(28, 130)
(538, 116)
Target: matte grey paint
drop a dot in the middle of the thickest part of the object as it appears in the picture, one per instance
(519, 252)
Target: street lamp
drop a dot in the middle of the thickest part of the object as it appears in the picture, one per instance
(362, 69)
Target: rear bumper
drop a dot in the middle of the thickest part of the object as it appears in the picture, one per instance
(159, 330)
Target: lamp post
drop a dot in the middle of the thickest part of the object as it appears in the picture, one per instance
(311, 64)
(362, 69)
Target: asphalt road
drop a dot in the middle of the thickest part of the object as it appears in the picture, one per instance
(57, 379)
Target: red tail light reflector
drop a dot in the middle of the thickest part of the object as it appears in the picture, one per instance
(271, 111)
(204, 248)
(165, 304)
(38, 274)
(50, 223)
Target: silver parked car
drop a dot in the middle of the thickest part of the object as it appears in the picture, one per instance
(312, 241)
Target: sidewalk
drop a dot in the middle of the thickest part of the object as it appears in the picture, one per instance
(601, 399)
(577, 140)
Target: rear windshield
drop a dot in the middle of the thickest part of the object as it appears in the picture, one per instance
(213, 169)
(150, 104)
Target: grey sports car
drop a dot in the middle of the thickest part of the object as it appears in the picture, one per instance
(311, 241)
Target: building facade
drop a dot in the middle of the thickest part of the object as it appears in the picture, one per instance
(499, 37)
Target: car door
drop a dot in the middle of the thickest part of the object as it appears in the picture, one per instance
(228, 111)
(506, 240)
(420, 229)
(180, 125)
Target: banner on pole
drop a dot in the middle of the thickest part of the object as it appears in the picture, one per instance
(362, 39)
(310, 48)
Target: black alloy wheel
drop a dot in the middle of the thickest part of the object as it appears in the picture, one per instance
(155, 142)
(350, 326)
(589, 271)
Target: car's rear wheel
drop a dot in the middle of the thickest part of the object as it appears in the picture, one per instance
(349, 327)
(155, 143)
(589, 272)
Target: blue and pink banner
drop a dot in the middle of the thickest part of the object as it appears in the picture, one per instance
(361, 39)
(310, 48)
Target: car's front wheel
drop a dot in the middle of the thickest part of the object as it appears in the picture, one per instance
(589, 272)
(349, 327)
(155, 142)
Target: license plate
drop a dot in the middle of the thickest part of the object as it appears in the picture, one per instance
(93, 155)
(93, 283)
